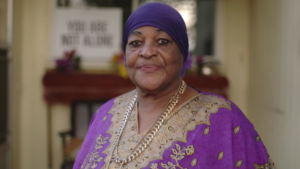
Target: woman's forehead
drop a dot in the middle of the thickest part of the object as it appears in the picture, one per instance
(148, 29)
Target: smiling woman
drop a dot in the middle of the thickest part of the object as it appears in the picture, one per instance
(154, 60)
(164, 123)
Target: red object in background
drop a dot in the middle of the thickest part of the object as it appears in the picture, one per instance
(81, 86)
(69, 54)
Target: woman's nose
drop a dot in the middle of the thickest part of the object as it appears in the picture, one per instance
(148, 50)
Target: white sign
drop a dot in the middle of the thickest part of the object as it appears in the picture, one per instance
(94, 33)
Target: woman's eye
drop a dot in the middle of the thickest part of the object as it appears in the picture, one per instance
(163, 41)
(135, 43)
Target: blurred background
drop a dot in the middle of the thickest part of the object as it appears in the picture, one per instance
(61, 59)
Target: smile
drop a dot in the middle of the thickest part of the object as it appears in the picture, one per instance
(149, 68)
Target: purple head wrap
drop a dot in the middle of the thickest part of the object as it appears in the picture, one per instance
(163, 17)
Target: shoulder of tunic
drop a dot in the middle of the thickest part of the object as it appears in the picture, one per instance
(232, 111)
(232, 123)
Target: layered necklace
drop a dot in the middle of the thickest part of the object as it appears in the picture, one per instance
(150, 134)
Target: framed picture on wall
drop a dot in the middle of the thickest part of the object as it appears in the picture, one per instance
(94, 33)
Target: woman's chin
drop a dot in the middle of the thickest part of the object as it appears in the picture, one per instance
(150, 83)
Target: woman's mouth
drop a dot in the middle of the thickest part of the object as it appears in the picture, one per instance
(149, 68)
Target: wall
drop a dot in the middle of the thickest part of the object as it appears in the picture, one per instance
(232, 47)
(28, 110)
(30, 59)
(3, 22)
(274, 78)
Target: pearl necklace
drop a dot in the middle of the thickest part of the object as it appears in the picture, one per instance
(148, 137)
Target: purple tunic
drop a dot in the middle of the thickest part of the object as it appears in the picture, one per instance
(206, 132)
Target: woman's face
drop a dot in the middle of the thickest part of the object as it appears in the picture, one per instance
(153, 58)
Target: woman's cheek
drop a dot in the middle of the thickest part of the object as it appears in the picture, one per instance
(130, 61)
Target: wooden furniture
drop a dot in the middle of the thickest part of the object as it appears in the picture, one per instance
(67, 88)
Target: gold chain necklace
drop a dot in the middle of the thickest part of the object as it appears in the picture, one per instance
(148, 137)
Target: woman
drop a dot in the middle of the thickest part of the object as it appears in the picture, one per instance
(164, 123)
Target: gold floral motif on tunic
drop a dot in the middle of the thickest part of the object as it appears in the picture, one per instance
(221, 155)
(194, 112)
(94, 157)
(238, 163)
(178, 154)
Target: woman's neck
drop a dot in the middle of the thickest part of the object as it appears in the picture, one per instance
(152, 101)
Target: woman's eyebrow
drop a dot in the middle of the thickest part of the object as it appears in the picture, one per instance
(135, 33)
(159, 30)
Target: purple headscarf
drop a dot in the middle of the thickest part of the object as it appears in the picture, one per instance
(163, 17)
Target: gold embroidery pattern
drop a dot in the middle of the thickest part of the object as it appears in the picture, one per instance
(178, 154)
(175, 127)
(154, 166)
(104, 118)
(239, 163)
(236, 130)
(187, 106)
(95, 158)
(269, 165)
(206, 131)
(221, 155)
(194, 162)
